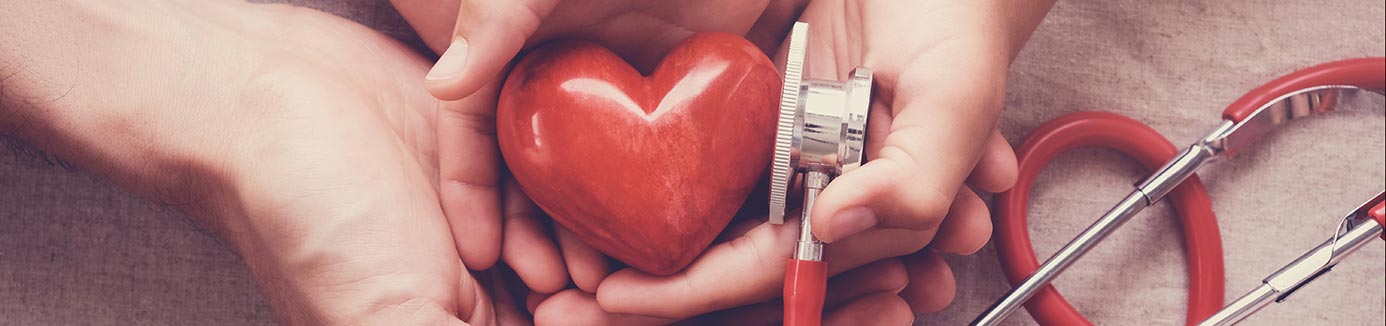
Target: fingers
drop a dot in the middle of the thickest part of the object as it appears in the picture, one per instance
(875, 195)
(967, 227)
(506, 289)
(874, 245)
(534, 299)
(876, 309)
(883, 276)
(574, 307)
(931, 286)
(487, 35)
(943, 115)
(468, 173)
(996, 170)
(756, 260)
(870, 308)
(527, 247)
(587, 265)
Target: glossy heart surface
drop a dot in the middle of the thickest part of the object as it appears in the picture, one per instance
(647, 169)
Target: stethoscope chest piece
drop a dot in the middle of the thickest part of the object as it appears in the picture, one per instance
(822, 125)
(821, 135)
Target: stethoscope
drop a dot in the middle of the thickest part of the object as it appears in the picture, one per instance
(821, 135)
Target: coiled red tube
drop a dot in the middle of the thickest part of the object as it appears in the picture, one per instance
(1202, 242)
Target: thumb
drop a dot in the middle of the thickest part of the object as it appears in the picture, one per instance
(487, 35)
(940, 120)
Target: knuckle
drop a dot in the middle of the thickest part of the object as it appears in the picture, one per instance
(479, 122)
(930, 207)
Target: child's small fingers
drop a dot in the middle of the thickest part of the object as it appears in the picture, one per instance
(527, 248)
(586, 265)
(506, 289)
(533, 255)
(883, 276)
(534, 299)
(966, 228)
(886, 275)
(742, 271)
(931, 285)
(996, 170)
(872, 245)
(574, 307)
(875, 309)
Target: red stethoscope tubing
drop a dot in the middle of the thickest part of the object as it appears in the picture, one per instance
(805, 283)
(1202, 242)
(1203, 245)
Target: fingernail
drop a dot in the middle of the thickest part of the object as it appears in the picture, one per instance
(451, 63)
(851, 221)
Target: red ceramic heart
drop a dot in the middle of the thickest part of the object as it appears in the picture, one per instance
(647, 169)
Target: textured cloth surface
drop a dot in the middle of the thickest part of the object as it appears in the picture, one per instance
(75, 250)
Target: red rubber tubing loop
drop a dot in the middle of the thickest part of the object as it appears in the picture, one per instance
(1202, 242)
(805, 283)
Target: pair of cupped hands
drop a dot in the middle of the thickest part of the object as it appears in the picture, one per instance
(363, 184)
(940, 72)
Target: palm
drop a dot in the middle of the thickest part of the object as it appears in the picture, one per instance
(347, 227)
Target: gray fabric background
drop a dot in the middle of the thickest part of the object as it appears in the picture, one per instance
(77, 251)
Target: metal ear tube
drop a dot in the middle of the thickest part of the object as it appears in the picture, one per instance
(821, 135)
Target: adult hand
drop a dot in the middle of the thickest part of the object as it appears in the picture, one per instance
(305, 140)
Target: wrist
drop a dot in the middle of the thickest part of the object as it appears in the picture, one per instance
(1020, 19)
(134, 93)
